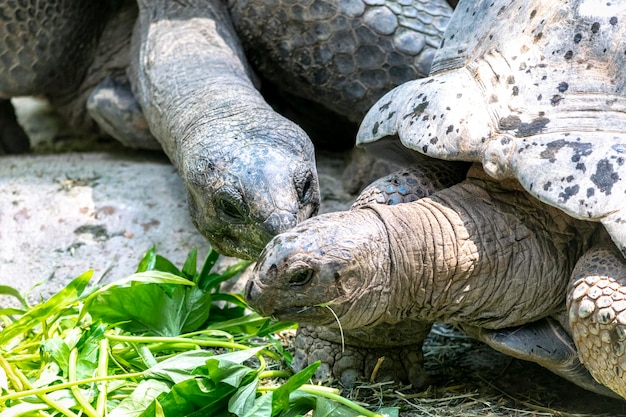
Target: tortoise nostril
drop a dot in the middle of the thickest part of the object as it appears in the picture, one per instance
(249, 290)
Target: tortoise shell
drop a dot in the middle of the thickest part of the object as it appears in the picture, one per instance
(534, 91)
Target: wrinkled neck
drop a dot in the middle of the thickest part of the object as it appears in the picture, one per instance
(428, 248)
(190, 75)
(466, 255)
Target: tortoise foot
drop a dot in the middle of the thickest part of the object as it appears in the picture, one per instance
(353, 364)
(114, 107)
(597, 314)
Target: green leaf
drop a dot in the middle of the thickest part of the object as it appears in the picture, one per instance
(235, 299)
(300, 403)
(147, 277)
(38, 314)
(197, 307)
(271, 327)
(12, 292)
(227, 372)
(243, 399)
(11, 311)
(262, 407)
(148, 261)
(196, 396)
(209, 262)
(164, 265)
(238, 356)
(50, 374)
(139, 309)
(166, 310)
(180, 367)
(212, 281)
(184, 365)
(281, 394)
(227, 367)
(328, 408)
(251, 320)
(389, 411)
(58, 351)
(140, 398)
(189, 268)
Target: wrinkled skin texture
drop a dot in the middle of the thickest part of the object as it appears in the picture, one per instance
(184, 86)
(250, 172)
(456, 257)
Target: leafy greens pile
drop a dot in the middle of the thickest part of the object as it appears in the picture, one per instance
(162, 342)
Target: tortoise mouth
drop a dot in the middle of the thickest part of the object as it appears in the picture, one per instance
(229, 244)
(305, 314)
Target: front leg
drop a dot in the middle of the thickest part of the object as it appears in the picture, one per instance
(114, 107)
(596, 303)
(385, 353)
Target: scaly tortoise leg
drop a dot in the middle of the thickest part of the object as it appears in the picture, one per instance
(544, 342)
(360, 358)
(596, 303)
(412, 183)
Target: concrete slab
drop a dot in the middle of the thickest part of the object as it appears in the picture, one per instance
(63, 214)
(66, 208)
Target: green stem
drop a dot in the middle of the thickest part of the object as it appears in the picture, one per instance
(274, 374)
(65, 385)
(89, 410)
(103, 366)
(315, 390)
(210, 333)
(12, 377)
(41, 395)
(157, 339)
(146, 356)
(331, 394)
(31, 357)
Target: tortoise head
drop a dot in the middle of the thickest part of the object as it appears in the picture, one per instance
(325, 269)
(240, 198)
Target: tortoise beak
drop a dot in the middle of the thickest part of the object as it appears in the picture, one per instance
(253, 298)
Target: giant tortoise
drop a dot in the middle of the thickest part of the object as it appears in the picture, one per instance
(173, 75)
(527, 252)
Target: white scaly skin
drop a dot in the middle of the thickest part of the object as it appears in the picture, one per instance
(250, 172)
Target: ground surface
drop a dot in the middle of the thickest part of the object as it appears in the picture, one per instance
(101, 207)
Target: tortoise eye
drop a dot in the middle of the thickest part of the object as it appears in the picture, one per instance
(231, 206)
(301, 277)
